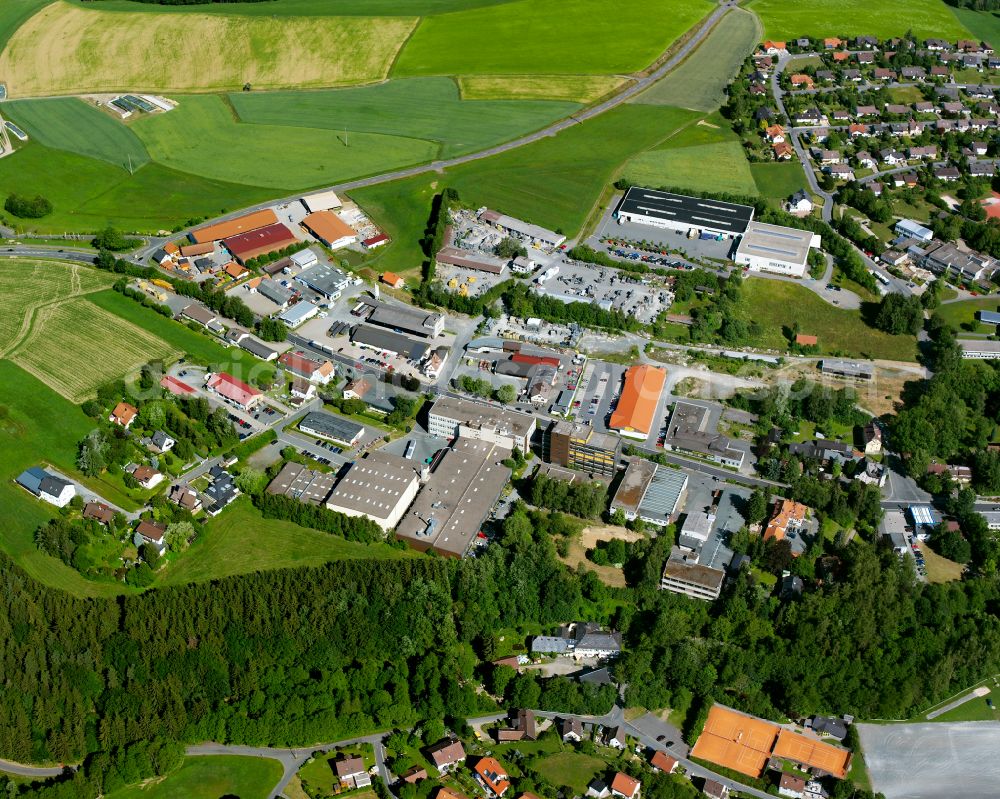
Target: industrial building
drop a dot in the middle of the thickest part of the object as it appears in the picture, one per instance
(451, 417)
(988, 317)
(773, 248)
(301, 312)
(979, 349)
(306, 485)
(263, 241)
(913, 230)
(522, 230)
(664, 209)
(235, 391)
(691, 429)
(406, 319)
(380, 486)
(257, 348)
(330, 229)
(385, 341)
(233, 227)
(682, 574)
(275, 292)
(579, 446)
(326, 425)
(650, 492)
(452, 256)
(323, 279)
(636, 409)
(456, 500)
(944, 258)
(321, 201)
(849, 369)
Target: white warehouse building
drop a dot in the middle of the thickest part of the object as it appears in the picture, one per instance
(774, 248)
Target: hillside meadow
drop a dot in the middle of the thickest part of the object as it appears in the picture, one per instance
(886, 18)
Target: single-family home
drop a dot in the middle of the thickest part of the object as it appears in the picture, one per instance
(624, 786)
(791, 786)
(151, 533)
(928, 151)
(522, 728)
(616, 737)
(782, 151)
(892, 157)
(825, 75)
(886, 75)
(853, 75)
(715, 790)
(161, 442)
(876, 187)
(491, 776)
(351, 772)
(571, 729)
(802, 80)
(949, 174)
(775, 133)
(809, 116)
(774, 48)
(598, 789)
(199, 313)
(913, 73)
(319, 372)
(787, 516)
(185, 496)
(100, 512)
(222, 491)
(864, 159)
(871, 433)
(800, 202)
(840, 116)
(46, 486)
(661, 761)
(446, 753)
(856, 129)
(146, 476)
(414, 774)
(866, 111)
(123, 415)
(841, 56)
(830, 157)
(833, 43)
(865, 58)
(840, 172)
(979, 147)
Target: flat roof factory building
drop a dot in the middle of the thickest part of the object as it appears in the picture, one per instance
(650, 492)
(263, 241)
(774, 248)
(633, 415)
(330, 229)
(376, 338)
(380, 486)
(521, 229)
(451, 417)
(406, 319)
(664, 209)
(233, 227)
(326, 425)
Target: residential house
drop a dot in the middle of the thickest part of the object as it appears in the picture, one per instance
(151, 533)
(825, 75)
(774, 48)
(598, 789)
(571, 729)
(235, 334)
(897, 108)
(123, 415)
(775, 133)
(302, 390)
(852, 75)
(873, 474)
(791, 786)
(830, 157)
(913, 73)
(357, 388)
(222, 491)
(160, 442)
(351, 772)
(925, 107)
(865, 58)
(840, 171)
(866, 111)
(800, 202)
(616, 738)
(927, 152)
(979, 147)
(521, 728)
(940, 72)
(840, 116)
(661, 761)
(856, 129)
(866, 42)
(319, 372)
(715, 790)
(809, 116)
(782, 151)
(414, 774)
(876, 187)
(445, 754)
(949, 174)
(185, 496)
(787, 516)
(892, 157)
(864, 159)
(937, 45)
(147, 476)
(203, 316)
(982, 169)
(841, 56)
(886, 75)
(491, 776)
(624, 786)
(833, 43)
(802, 80)
(99, 512)
(871, 434)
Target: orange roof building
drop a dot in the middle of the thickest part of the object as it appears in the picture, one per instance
(661, 761)
(123, 415)
(833, 44)
(492, 776)
(170, 248)
(815, 754)
(392, 279)
(802, 80)
(636, 409)
(806, 340)
(625, 786)
(196, 250)
(841, 55)
(775, 133)
(782, 150)
(773, 46)
(786, 514)
(232, 227)
(235, 271)
(330, 229)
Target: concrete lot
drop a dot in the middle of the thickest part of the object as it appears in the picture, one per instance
(475, 281)
(672, 239)
(579, 282)
(933, 761)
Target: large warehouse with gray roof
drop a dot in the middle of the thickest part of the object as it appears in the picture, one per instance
(664, 209)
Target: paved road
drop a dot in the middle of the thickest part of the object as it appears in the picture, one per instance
(25, 251)
(618, 99)
(42, 772)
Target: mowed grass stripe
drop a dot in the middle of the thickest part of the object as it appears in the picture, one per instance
(13, 13)
(418, 108)
(75, 346)
(574, 88)
(66, 49)
(884, 19)
(526, 37)
(200, 136)
(700, 81)
(68, 123)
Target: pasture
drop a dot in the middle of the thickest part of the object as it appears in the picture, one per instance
(887, 18)
(210, 777)
(302, 8)
(68, 123)
(200, 136)
(68, 49)
(720, 167)
(540, 37)
(13, 13)
(778, 181)
(985, 25)
(75, 346)
(241, 541)
(414, 108)
(700, 81)
(570, 88)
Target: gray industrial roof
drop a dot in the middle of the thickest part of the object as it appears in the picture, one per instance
(324, 279)
(682, 209)
(330, 426)
(374, 485)
(638, 475)
(663, 493)
(847, 368)
(409, 348)
(409, 320)
(989, 317)
(255, 347)
(306, 485)
(274, 291)
(473, 413)
(776, 242)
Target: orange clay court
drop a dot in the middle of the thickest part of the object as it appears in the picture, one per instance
(744, 743)
(637, 403)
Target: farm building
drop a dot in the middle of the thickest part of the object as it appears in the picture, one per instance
(235, 391)
(321, 201)
(263, 241)
(633, 416)
(233, 227)
(329, 229)
(680, 212)
(375, 241)
(197, 250)
(393, 280)
(774, 248)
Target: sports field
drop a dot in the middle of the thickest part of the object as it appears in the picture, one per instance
(66, 49)
(68, 123)
(542, 37)
(700, 82)
(74, 347)
(571, 88)
(886, 18)
(416, 108)
(210, 777)
(201, 136)
(778, 181)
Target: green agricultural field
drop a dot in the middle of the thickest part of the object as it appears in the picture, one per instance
(984, 25)
(887, 18)
(67, 123)
(69, 49)
(539, 37)
(777, 304)
(210, 777)
(700, 82)
(963, 313)
(778, 181)
(571, 88)
(709, 167)
(570, 769)
(152, 199)
(13, 14)
(301, 8)
(416, 108)
(240, 540)
(200, 136)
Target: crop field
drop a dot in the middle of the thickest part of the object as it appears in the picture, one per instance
(886, 18)
(68, 123)
(301, 8)
(541, 37)
(13, 13)
(66, 49)
(571, 88)
(700, 82)
(985, 25)
(416, 108)
(200, 136)
(778, 181)
(209, 778)
(75, 346)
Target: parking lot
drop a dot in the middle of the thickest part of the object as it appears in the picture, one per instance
(643, 297)
(933, 760)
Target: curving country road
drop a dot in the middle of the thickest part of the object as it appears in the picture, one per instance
(41, 772)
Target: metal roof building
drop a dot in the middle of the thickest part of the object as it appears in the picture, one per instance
(989, 317)
(326, 425)
(324, 279)
(386, 341)
(650, 492)
(834, 366)
(298, 313)
(774, 248)
(681, 212)
(406, 319)
(980, 349)
(380, 487)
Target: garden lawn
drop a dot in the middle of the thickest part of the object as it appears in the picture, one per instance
(985, 25)
(573, 88)
(778, 181)
(776, 304)
(202, 137)
(700, 82)
(546, 37)
(417, 108)
(887, 18)
(570, 769)
(210, 777)
(963, 312)
(154, 198)
(239, 541)
(68, 123)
